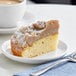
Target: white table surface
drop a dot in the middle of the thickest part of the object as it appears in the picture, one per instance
(64, 13)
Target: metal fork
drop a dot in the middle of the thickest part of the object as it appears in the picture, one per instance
(71, 58)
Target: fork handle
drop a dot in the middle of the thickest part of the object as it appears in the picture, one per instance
(57, 63)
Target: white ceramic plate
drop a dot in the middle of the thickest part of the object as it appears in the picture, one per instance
(28, 18)
(61, 50)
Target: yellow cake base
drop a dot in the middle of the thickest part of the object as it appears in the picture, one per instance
(41, 46)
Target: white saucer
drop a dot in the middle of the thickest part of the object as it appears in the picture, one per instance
(61, 51)
(27, 19)
(7, 30)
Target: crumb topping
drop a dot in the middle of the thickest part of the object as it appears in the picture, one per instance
(27, 35)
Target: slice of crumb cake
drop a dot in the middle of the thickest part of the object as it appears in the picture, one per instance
(35, 40)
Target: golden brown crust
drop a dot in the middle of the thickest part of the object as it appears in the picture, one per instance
(16, 50)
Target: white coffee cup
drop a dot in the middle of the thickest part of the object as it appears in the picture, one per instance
(10, 14)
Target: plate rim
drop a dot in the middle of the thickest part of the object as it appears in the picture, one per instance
(16, 58)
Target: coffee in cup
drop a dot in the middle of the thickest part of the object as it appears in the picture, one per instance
(9, 1)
